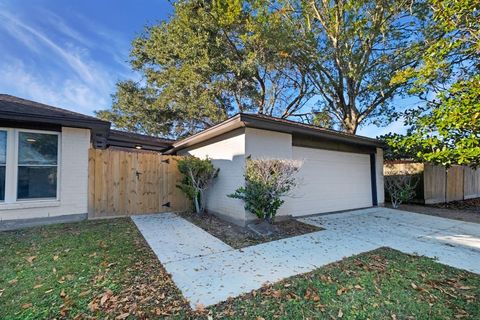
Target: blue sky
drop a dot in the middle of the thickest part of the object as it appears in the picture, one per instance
(70, 54)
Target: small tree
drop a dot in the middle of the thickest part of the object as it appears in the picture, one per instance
(401, 188)
(198, 174)
(266, 182)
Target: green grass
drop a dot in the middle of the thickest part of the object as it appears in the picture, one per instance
(65, 270)
(382, 284)
(104, 269)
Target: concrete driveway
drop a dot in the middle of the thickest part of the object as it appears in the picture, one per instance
(208, 271)
(452, 242)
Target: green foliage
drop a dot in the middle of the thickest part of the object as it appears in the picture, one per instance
(447, 130)
(266, 182)
(210, 60)
(394, 151)
(197, 175)
(401, 187)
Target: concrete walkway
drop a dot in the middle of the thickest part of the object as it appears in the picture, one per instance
(207, 271)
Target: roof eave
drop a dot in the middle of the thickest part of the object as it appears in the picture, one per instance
(273, 125)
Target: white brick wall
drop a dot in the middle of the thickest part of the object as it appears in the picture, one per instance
(73, 171)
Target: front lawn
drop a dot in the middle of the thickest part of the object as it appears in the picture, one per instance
(95, 268)
(104, 269)
(381, 284)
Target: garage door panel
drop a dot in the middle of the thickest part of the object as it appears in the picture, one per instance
(330, 181)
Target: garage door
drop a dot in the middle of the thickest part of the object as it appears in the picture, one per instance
(331, 181)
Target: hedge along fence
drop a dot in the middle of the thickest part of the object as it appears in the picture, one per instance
(436, 183)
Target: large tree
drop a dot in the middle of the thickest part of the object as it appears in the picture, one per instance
(357, 46)
(210, 60)
(447, 129)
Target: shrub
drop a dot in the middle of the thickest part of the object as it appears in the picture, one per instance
(266, 181)
(400, 188)
(197, 176)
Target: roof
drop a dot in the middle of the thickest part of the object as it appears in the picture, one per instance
(18, 109)
(242, 120)
(117, 138)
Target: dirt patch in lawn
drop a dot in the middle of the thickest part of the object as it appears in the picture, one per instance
(468, 210)
(238, 237)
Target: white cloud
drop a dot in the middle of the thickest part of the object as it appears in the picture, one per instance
(69, 94)
(54, 70)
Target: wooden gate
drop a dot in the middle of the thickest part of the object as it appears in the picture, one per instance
(126, 182)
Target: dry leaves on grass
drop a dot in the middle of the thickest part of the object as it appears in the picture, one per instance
(145, 291)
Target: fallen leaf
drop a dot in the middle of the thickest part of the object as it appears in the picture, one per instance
(122, 316)
(83, 293)
(48, 291)
(55, 258)
(13, 281)
(106, 295)
(26, 305)
(465, 288)
(340, 313)
(38, 286)
(62, 294)
(31, 258)
(414, 286)
(200, 307)
(341, 291)
(276, 294)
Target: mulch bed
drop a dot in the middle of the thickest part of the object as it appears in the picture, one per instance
(238, 237)
(467, 210)
(469, 205)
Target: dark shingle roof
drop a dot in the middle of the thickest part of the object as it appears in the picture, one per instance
(124, 139)
(18, 109)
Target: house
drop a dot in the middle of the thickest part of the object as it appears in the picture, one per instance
(45, 176)
(44, 159)
(340, 171)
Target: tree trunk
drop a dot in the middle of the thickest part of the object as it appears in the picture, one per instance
(197, 205)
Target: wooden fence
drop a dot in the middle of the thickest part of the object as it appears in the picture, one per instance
(126, 182)
(439, 185)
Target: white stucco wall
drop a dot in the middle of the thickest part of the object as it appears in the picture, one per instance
(73, 180)
(379, 172)
(227, 154)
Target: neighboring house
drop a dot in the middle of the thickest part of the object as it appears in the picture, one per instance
(340, 171)
(44, 159)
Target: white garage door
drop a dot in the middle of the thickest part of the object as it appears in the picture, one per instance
(331, 181)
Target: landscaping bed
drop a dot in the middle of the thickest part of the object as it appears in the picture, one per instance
(238, 237)
(464, 211)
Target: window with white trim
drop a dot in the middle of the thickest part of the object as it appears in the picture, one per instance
(29, 167)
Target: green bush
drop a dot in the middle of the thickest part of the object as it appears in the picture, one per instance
(197, 176)
(266, 181)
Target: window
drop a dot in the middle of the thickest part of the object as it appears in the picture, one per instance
(28, 165)
(37, 165)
